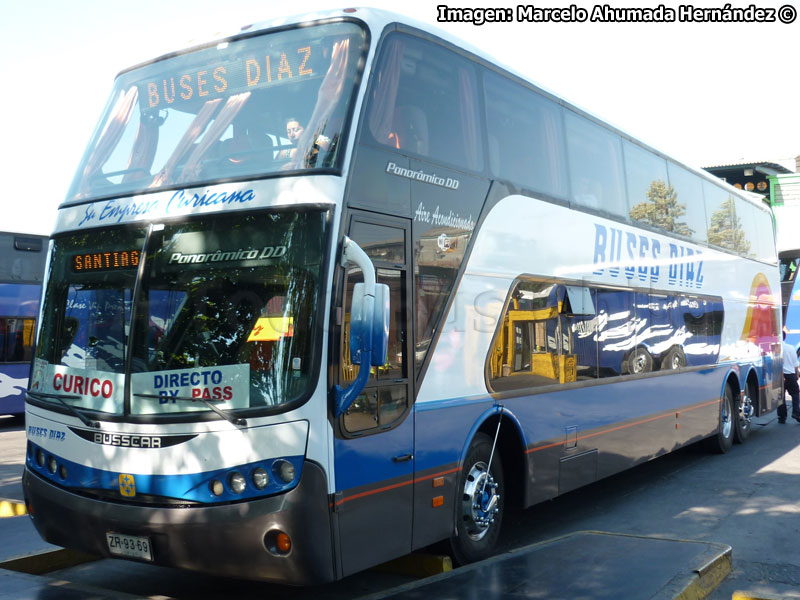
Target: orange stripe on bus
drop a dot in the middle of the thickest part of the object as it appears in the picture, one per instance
(396, 485)
(619, 427)
(529, 451)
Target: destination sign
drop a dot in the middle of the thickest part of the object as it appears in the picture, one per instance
(235, 74)
(105, 261)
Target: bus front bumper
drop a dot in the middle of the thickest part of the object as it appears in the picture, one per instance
(226, 540)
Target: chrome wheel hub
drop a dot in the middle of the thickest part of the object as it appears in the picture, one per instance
(479, 501)
(746, 409)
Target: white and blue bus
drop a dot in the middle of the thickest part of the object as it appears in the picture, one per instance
(290, 358)
(22, 258)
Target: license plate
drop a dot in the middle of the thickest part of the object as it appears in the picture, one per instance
(129, 546)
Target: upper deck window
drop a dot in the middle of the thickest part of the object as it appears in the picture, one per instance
(241, 109)
(424, 102)
(525, 137)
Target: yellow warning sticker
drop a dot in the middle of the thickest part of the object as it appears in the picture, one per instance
(271, 329)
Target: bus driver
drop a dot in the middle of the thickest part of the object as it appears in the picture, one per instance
(294, 130)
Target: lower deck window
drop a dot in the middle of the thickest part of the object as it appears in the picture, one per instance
(552, 333)
(16, 339)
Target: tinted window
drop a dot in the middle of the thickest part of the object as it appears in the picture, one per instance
(745, 214)
(652, 199)
(424, 103)
(788, 267)
(724, 229)
(22, 258)
(766, 236)
(16, 339)
(554, 333)
(616, 331)
(757, 227)
(595, 161)
(525, 137)
(225, 111)
(526, 349)
(688, 189)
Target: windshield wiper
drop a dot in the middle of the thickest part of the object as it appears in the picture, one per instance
(227, 416)
(60, 397)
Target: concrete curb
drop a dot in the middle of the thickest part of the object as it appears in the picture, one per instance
(12, 508)
(44, 562)
(417, 565)
(697, 571)
(715, 564)
(755, 595)
(708, 576)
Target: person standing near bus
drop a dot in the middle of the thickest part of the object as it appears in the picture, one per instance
(790, 368)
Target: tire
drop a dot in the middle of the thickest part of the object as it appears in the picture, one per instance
(673, 359)
(476, 531)
(639, 361)
(722, 440)
(742, 414)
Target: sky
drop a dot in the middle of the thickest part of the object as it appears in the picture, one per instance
(704, 93)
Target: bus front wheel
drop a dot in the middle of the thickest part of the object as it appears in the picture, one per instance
(479, 510)
(722, 441)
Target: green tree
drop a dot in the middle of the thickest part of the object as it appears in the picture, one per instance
(662, 209)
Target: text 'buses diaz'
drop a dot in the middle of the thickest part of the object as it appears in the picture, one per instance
(327, 291)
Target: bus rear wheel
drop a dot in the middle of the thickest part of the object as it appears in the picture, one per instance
(722, 440)
(479, 507)
(640, 361)
(674, 359)
(743, 414)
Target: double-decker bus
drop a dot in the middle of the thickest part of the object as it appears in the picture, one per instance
(290, 358)
(22, 258)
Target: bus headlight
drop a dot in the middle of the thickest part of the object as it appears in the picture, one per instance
(40, 457)
(260, 478)
(237, 482)
(52, 465)
(217, 488)
(285, 470)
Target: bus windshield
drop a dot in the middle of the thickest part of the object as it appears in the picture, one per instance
(249, 107)
(224, 312)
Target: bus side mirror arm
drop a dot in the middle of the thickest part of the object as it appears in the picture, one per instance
(369, 325)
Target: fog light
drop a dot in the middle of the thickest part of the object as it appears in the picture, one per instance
(285, 470)
(277, 542)
(260, 478)
(40, 457)
(217, 488)
(284, 543)
(237, 483)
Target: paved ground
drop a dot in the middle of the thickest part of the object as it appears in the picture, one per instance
(748, 499)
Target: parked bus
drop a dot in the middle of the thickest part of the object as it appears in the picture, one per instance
(453, 294)
(22, 258)
(785, 205)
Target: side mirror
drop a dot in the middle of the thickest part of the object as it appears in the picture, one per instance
(369, 325)
(376, 329)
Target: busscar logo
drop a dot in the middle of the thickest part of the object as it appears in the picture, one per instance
(124, 440)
